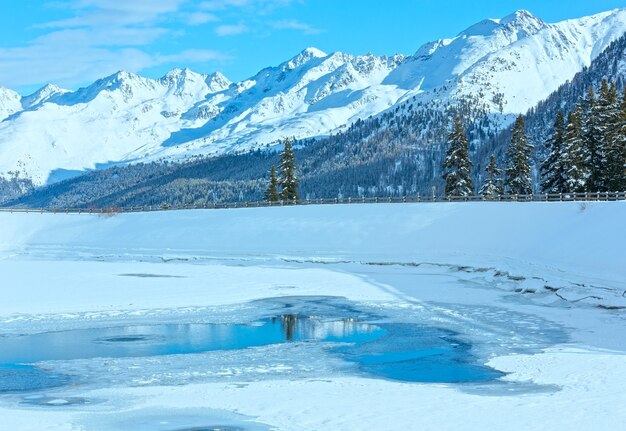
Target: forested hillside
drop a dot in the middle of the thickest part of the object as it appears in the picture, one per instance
(399, 152)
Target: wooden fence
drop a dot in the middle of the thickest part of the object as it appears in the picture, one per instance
(561, 197)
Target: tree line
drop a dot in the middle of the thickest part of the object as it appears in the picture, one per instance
(284, 187)
(587, 152)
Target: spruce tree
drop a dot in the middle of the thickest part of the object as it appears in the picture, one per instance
(607, 115)
(518, 171)
(575, 154)
(594, 137)
(492, 187)
(288, 176)
(553, 169)
(271, 193)
(616, 149)
(457, 164)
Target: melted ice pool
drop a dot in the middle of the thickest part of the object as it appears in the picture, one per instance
(395, 351)
(156, 340)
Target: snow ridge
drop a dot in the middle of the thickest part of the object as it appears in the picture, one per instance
(512, 63)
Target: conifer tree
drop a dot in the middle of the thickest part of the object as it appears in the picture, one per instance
(518, 171)
(288, 176)
(575, 154)
(457, 164)
(594, 109)
(608, 115)
(553, 169)
(271, 193)
(616, 150)
(492, 187)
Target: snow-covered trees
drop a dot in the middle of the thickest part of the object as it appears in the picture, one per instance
(553, 168)
(457, 164)
(616, 148)
(288, 176)
(589, 153)
(518, 171)
(492, 187)
(271, 193)
(592, 138)
(575, 153)
(287, 182)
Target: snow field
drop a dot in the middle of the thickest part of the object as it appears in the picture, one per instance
(478, 268)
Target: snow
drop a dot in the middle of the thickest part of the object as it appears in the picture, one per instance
(9, 102)
(524, 282)
(126, 118)
(437, 232)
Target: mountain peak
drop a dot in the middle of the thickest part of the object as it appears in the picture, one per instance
(42, 95)
(218, 79)
(122, 75)
(177, 71)
(313, 52)
(115, 79)
(523, 18)
(305, 56)
(182, 73)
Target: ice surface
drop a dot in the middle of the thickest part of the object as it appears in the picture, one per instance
(323, 335)
(22, 378)
(525, 302)
(176, 420)
(178, 339)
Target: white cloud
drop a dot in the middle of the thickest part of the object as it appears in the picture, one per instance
(91, 13)
(231, 29)
(98, 38)
(198, 18)
(217, 5)
(191, 55)
(260, 7)
(292, 24)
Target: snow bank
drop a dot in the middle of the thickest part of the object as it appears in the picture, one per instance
(578, 238)
(73, 271)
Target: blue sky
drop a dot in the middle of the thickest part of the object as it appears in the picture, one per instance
(73, 42)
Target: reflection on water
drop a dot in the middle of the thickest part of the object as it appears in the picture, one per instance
(155, 340)
(288, 323)
(404, 352)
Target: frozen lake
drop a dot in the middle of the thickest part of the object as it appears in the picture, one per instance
(350, 318)
(404, 352)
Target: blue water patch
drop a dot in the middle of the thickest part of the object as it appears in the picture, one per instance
(405, 352)
(415, 353)
(23, 378)
(173, 419)
(156, 340)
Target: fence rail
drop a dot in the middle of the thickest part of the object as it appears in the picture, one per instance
(560, 197)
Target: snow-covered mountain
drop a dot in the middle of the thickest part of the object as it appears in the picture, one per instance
(510, 64)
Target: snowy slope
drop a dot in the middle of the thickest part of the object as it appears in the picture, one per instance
(10, 102)
(486, 271)
(531, 68)
(546, 235)
(510, 63)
